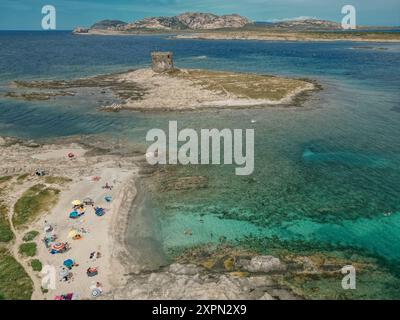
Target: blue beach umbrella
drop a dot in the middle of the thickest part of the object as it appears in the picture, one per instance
(99, 211)
(108, 198)
(74, 215)
(68, 263)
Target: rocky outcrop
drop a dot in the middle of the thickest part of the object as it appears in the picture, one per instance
(208, 21)
(263, 264)
(185, 281)
(78, 30)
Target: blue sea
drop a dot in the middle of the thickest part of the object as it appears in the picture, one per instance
(327, 174)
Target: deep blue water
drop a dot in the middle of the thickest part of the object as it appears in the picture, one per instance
(325, 173)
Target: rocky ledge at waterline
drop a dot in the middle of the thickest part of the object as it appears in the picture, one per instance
(189, 281)
(177, 89)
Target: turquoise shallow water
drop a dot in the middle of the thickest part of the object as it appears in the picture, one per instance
(327, 173)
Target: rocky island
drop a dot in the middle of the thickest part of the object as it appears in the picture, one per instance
(184, 21)
(167, 88)
(199, 25)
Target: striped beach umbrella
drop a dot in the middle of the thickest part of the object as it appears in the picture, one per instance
(58, 246)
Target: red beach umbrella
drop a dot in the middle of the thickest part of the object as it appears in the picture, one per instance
(58, 246)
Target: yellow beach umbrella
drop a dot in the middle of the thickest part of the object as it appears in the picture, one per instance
(72, 233)
(76, 202)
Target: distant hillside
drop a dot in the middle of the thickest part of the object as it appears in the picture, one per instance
(207, 21)
(184, 21)
(307, 24)
(107, 24)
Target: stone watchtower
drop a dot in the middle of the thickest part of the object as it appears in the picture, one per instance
(161, 61)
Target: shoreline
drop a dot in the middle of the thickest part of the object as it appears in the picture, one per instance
(280, 37)
(311, 36)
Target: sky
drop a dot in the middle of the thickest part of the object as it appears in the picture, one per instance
(26, 14)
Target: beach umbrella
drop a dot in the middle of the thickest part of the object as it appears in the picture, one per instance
(99, 211)
(58, 246)
(64, 272)
(108, 198)
(74, 215)
(76, 202)
(68, 263)
(72, 233)
(96, 292)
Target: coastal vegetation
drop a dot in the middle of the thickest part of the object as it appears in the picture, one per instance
(35, 201)
(28, 249)
(6, 234)
(36, 265)
(15, 283)
(22, 177)
(29, 236)
(5, 179)
(242, 85)
(56, 180)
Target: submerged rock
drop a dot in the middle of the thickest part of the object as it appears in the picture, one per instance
(185, 183)
(80, 30)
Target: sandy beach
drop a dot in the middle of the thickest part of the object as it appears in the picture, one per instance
(99, 234)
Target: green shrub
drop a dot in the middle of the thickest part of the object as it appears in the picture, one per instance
(5, 179)
(22, 177)
(36, 265)
(29, 236)
(56, 180)
(35, 201)
(28, 249)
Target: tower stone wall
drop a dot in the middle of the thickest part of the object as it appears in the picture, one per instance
(162, 61)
